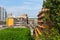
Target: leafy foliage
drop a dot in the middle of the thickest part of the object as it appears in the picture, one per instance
(54, 35)
(54, 12)
(53, 15)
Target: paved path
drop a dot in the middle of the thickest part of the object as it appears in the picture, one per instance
(31, 28)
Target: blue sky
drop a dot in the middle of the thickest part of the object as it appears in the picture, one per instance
(18, 7)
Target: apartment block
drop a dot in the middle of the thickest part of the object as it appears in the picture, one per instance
(3, 14)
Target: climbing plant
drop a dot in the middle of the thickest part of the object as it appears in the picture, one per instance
(52, 19)
(54, 11)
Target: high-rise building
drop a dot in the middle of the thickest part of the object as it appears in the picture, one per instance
(3, 14)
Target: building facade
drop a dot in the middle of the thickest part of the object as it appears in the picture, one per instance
(3, 14)
(10, 20)
(21, 20)
(41, 15)
(41, 25)
(18, 21)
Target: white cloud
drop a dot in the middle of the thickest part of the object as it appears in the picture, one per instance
(34, 0)
(20, 9)
(28, 3)
(14, 8)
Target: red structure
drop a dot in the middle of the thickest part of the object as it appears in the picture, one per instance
(40, 24)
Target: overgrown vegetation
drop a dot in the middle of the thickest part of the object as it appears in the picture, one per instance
(15, 34)
(52, 18)
(54, 35)
(54, 11)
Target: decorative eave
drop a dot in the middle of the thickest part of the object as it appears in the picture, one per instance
(43, 10)
(39, 13)
(41, 26)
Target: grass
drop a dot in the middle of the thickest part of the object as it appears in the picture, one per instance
(15, 34)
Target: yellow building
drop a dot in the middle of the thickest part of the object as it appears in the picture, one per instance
(10, 22)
